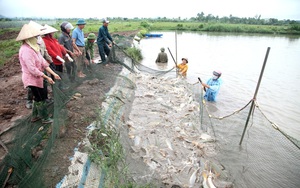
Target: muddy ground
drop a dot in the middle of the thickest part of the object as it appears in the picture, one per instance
(12, 108)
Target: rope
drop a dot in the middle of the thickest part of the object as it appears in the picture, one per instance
(275, 126)
(223, 117)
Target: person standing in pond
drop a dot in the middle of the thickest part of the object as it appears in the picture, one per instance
(79, 45)
(33, 65)
(162, 56)
(212, 86)
(104, 41)
(183, 67)
(66, 41)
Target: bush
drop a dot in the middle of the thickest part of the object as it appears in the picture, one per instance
(135, 53)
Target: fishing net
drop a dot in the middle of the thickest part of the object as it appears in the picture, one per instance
(35, 151)
(267, 156)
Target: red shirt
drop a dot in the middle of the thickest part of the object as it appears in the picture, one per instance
(54, 49)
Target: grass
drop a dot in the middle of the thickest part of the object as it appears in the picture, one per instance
(108, 153)
(10, 47)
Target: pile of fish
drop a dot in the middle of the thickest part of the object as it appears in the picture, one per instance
(164, 126)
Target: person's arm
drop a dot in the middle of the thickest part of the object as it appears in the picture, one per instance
(62, 42)
(103, 34)
(74, 36)
(92, 52)
(56, 76)
(110, 38)
(47, 56)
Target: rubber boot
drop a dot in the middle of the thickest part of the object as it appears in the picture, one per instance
(43, 112)
(29, 98)
(35, 113)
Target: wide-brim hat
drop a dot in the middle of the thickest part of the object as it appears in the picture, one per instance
(28, 31)
(184, 58)
(48, 29)
(38, 26)
(91, 36)
(81, 22)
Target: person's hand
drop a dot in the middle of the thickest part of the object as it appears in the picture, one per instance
(110, 45)
(69, 58)
(86, 62)
(49, 79)
(79, 53)
(57, 77)
(93, 61)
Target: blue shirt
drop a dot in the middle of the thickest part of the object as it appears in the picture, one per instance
(103, 35)
(213, 90)
(79, 36)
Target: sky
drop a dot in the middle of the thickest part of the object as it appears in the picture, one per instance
(279, 9)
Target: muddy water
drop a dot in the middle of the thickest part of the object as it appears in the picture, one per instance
(240, 58)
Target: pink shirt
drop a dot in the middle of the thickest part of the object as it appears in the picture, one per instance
(33, 65)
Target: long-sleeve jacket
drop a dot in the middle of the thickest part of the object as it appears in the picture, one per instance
(213, 90)
(183, 69)
(33, 65)
(54, 49)
(162, 58)
(104, 36)
(66, 40)
(89, 48)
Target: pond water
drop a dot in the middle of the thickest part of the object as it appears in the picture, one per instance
(240, 58)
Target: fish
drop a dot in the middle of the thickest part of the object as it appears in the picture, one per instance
(193, 178)
(169, 144)
(209, 180)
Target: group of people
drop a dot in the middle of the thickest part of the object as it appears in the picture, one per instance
(212, 86)
(41, 54)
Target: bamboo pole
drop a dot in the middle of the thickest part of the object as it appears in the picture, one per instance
(255, 94)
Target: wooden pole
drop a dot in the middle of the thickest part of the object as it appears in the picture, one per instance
(255, 94)
(176, 45)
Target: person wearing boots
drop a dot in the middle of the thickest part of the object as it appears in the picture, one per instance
(66, 41)
(47, 57)
(33, 65)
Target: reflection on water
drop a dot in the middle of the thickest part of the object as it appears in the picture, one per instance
(240, 59)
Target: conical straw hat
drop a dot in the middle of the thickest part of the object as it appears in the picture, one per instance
(27, 32)
(37, 26)
(49, 29)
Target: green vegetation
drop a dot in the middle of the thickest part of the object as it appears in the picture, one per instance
(135, 53)
(201, 22)
(107, 152)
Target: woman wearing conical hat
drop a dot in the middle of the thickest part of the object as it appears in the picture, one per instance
(33, 65)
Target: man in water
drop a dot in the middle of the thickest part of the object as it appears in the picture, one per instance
(212, 86)
(162, 56)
